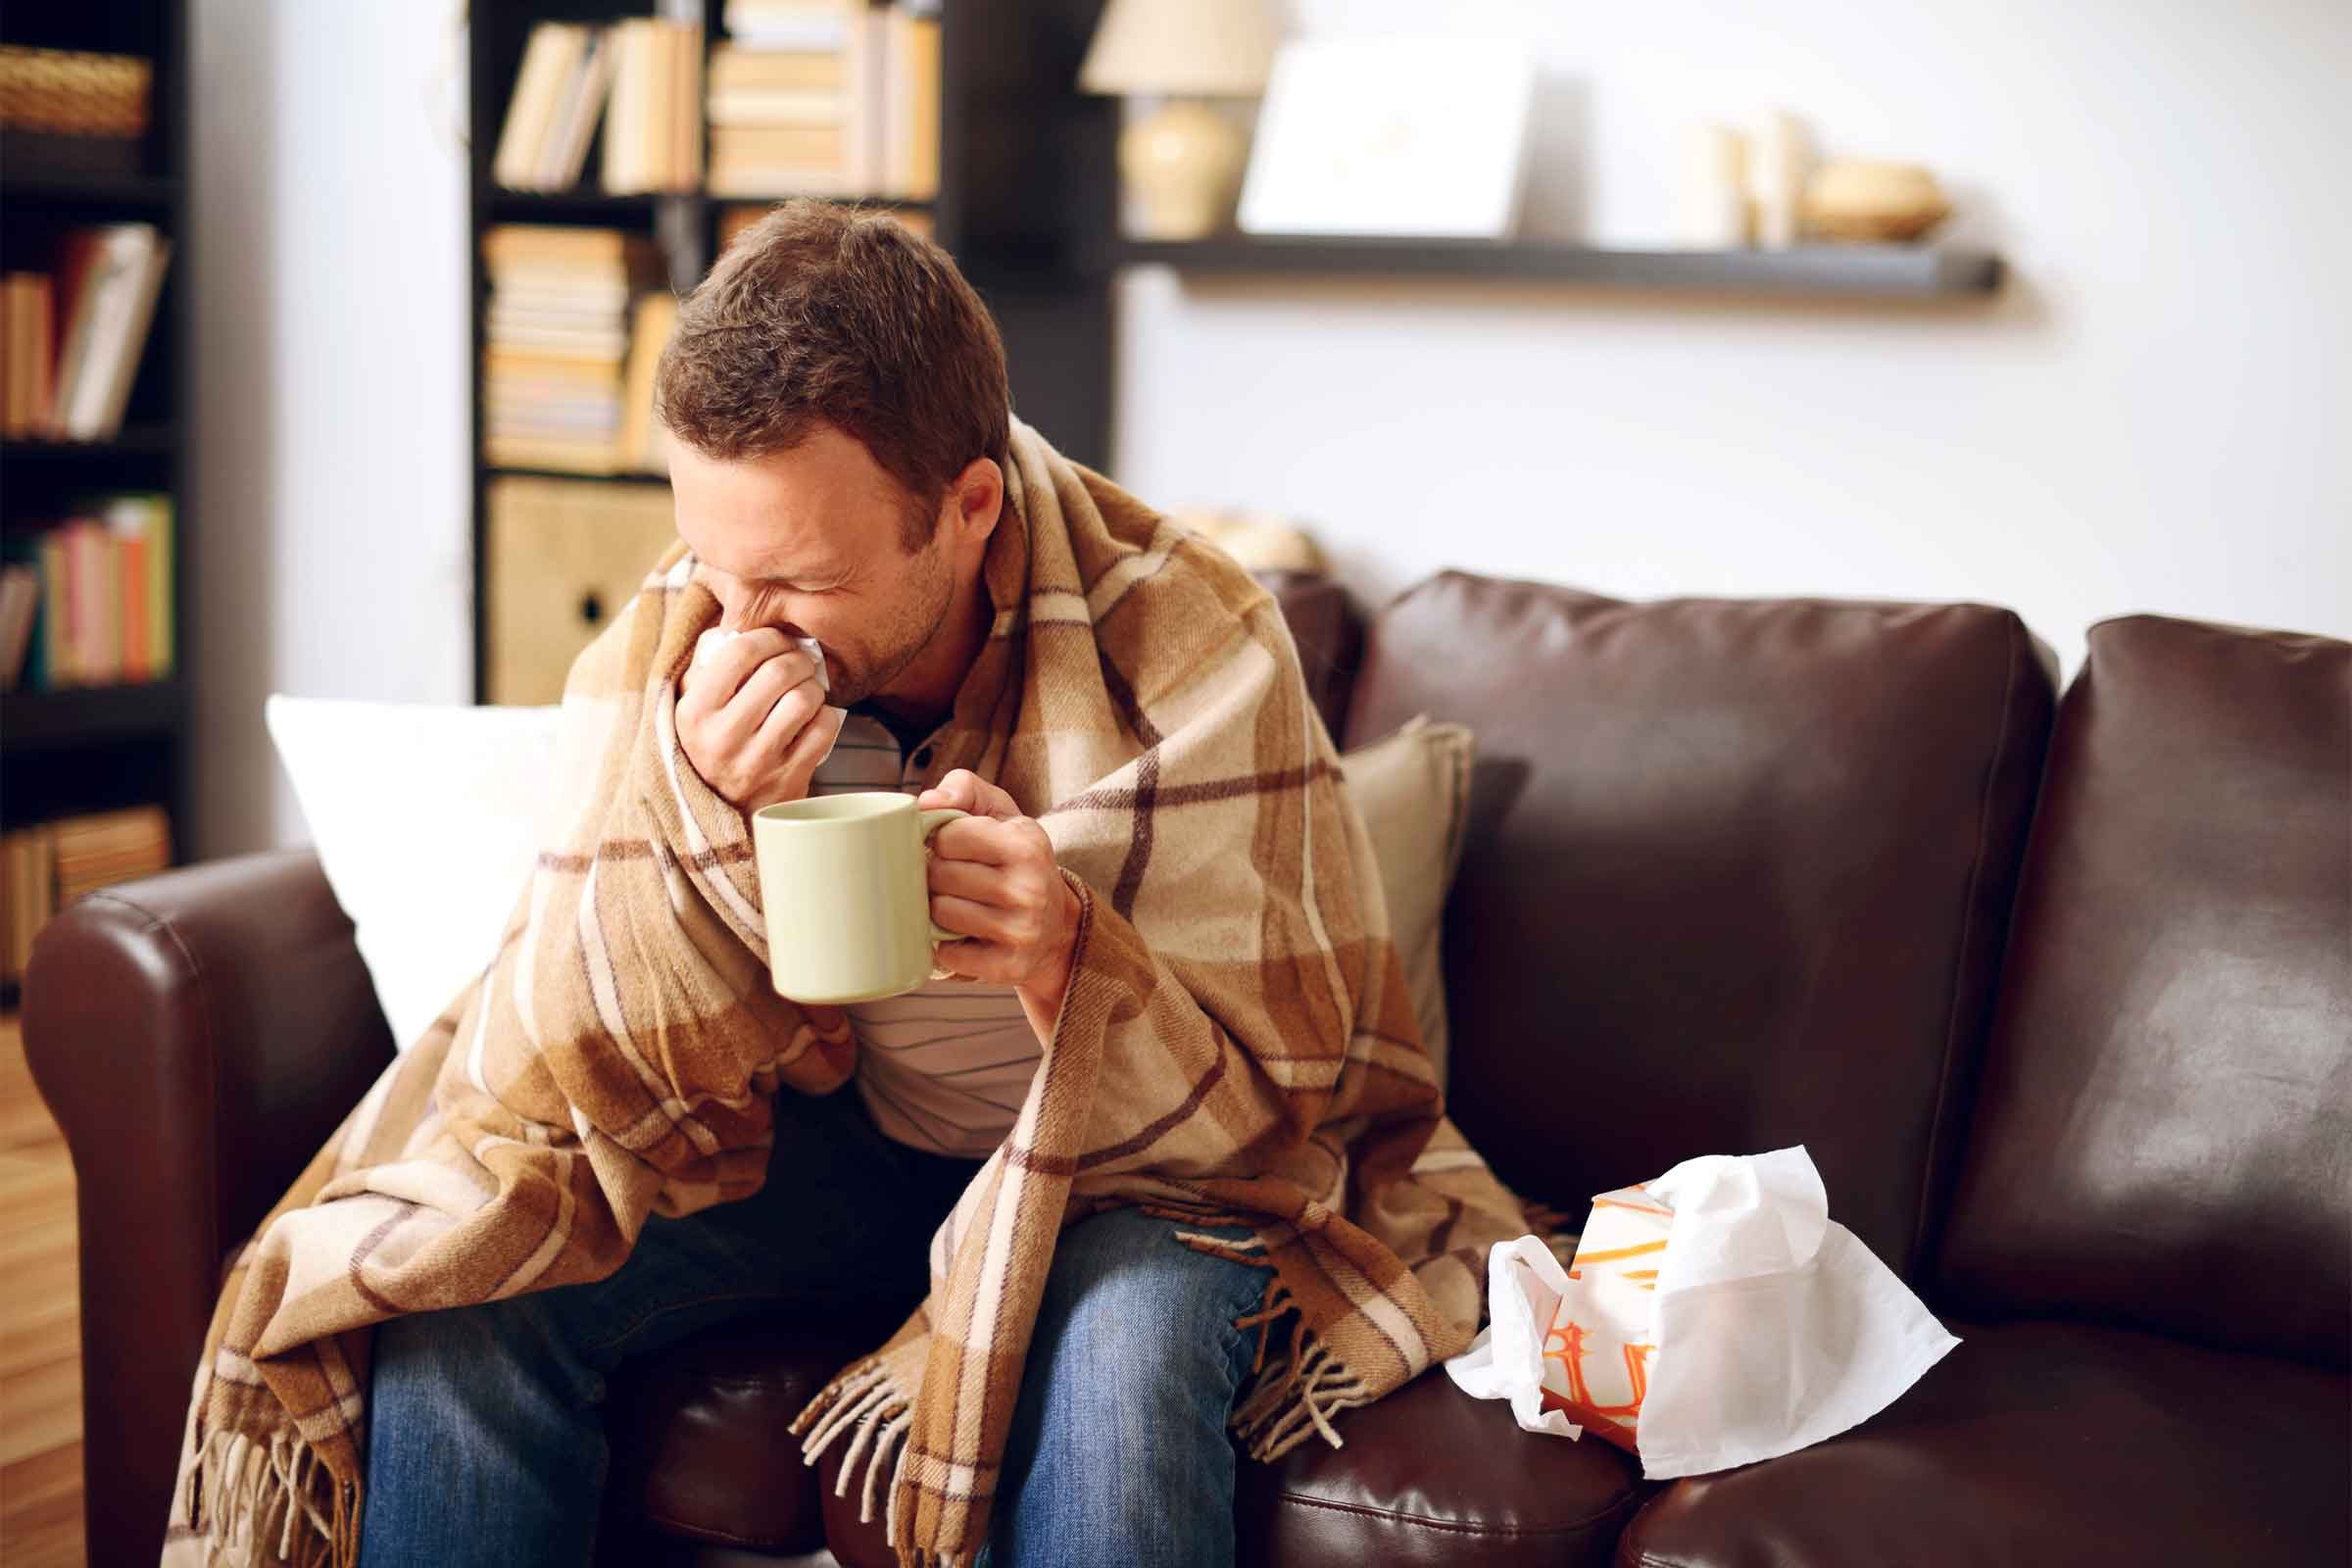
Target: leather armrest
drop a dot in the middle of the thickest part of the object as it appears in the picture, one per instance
(197, 1034)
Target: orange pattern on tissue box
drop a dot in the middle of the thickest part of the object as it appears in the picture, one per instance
(1603, 1337)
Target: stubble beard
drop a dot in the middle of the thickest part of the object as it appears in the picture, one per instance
(914, 632)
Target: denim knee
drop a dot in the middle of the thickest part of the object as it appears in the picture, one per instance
(492, 1345)
(1118, 1451)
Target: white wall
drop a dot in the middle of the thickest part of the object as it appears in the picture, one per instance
(2156, 416)
(332, 486)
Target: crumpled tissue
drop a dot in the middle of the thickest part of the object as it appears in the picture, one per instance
(1713, 1317)
(708, 644)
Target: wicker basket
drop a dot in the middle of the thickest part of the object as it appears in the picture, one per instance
(72, 93)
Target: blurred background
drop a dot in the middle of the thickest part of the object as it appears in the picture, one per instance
(328, 325)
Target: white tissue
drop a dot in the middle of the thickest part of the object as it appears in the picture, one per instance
(708, 644)
(1773, 1326)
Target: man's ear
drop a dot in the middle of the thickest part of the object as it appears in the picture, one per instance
(978, 498)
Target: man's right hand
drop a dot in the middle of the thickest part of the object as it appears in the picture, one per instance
(753, 720)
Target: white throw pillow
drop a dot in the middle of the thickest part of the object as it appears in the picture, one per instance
(426, 820)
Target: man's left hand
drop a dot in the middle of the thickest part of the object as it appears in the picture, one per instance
(994, 879)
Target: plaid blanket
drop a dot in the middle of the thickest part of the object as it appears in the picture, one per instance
(1236, 1046)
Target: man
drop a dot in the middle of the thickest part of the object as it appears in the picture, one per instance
(487, 1443)
(1163, 1150)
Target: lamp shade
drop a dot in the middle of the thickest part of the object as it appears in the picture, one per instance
(1192, 48)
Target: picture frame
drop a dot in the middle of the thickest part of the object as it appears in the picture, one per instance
(1408, 137)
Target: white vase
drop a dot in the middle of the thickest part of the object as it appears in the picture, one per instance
(1183, 164)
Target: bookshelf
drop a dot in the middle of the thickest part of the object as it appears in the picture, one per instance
(88, 749)
(1025, 203)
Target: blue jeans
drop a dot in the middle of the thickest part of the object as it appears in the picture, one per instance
(487, 1444)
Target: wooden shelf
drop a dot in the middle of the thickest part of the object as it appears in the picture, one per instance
(1855, 271)
(77, 716)
(67, 188)
(137, 441)
(539, 206)
(587, 202)
(510, 472)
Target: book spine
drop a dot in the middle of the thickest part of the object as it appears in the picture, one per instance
(57, 608)
(130, 553)
(160, 609)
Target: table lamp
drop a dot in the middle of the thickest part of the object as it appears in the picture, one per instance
(1184, 160)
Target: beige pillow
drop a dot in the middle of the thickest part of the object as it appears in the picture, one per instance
(1413, 789)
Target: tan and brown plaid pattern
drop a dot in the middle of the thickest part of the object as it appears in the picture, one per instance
(1237, 1043)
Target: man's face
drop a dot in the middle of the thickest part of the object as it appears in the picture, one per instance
(809, 541)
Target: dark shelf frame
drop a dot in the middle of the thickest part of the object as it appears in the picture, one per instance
(33, 183)
(133, 441)
(77, 715)
(97, 748)
(1845, 272)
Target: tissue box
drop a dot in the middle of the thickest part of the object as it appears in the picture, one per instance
(1712, 1316)
(1597, 1352)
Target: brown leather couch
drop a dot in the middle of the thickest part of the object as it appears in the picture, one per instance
(1738, 875)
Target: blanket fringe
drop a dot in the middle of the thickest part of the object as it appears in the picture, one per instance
(258, 1502)
(1297, 1397)
(863, 1403)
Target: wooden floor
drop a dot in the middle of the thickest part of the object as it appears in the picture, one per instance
(40, 1336)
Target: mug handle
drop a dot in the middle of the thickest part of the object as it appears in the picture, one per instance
(932, 821)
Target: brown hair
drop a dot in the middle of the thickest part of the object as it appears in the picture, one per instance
(822, 313)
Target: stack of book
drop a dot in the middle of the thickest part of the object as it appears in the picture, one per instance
(644, 444)
(44, 868)
(87, 602)
(827, 98)
(642, 77)
(76, 334)
(558, 340)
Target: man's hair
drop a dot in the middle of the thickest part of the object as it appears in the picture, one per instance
(821, 312)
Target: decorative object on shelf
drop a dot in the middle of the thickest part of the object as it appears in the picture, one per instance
(1782, 162)
(1712, 210)
(1873, 203)
(1259, 539)
(1183, 160)
(1404, 136)
(70, 109)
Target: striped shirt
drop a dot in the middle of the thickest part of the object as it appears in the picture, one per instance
(945, 1066)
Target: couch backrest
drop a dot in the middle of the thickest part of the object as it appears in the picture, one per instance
(1735, 877)
(1329, 635)
(2165, 1133)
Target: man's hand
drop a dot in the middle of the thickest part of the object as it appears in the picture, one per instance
(993, 878)
(753, 720)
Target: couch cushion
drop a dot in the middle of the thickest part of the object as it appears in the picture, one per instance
(2041, 1442)
(2164, 1135)
(1736, 876)
(698, 1443)
(1431, 1476)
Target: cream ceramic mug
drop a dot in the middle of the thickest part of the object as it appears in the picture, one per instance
(844, 883)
